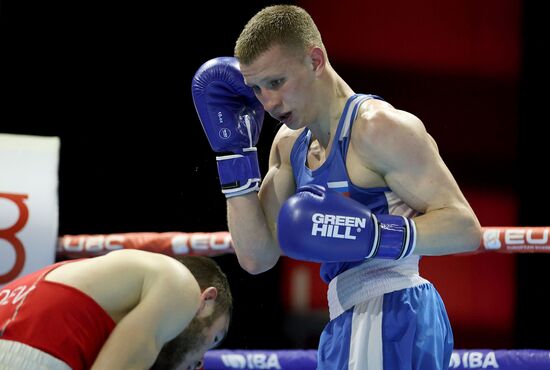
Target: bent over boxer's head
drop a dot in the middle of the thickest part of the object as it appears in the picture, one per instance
(285, 25)
(208, 327)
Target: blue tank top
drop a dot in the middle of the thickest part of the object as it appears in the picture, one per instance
(332, 174)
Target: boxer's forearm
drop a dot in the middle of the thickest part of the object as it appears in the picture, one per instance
(449, 230)
(254, 243)
(126, 353)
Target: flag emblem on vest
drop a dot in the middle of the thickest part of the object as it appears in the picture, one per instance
(339, 186)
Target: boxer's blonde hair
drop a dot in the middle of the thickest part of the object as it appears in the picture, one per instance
(286, 25)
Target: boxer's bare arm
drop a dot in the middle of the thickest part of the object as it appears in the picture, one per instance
(151, 297)
(252, 218)
(395, 144)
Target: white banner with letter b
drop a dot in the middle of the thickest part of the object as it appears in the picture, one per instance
(28, 203)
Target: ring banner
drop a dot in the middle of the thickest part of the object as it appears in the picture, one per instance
(28, 203)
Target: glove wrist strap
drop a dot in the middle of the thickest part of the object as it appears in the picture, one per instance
(395, 237)
(239, 173)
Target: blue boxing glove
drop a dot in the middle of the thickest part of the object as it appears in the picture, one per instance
(232, 118)
(321, 225)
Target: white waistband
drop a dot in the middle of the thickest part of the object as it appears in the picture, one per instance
(371, 279)
(15, 355)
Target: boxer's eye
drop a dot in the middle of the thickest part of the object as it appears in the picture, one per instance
(273, 84)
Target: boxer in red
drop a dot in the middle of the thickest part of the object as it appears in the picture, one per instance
(128, 309)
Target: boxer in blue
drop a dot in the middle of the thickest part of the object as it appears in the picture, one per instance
(353, 183)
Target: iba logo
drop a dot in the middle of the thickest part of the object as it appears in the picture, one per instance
(251, 361)
(10, 235)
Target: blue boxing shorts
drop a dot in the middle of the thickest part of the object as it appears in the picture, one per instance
(405, 329)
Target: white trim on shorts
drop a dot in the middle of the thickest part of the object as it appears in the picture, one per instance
(16, 355)
(365, 352)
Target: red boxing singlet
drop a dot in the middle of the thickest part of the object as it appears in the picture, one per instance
(55, 318)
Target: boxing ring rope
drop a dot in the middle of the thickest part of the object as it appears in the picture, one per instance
(307, 359)
(168, 243)
(504, 239)
(495, 239)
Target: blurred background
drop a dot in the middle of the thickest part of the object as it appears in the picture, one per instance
(112, 80)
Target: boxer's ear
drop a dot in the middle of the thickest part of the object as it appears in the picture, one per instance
(210, 293)
(208, 297)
